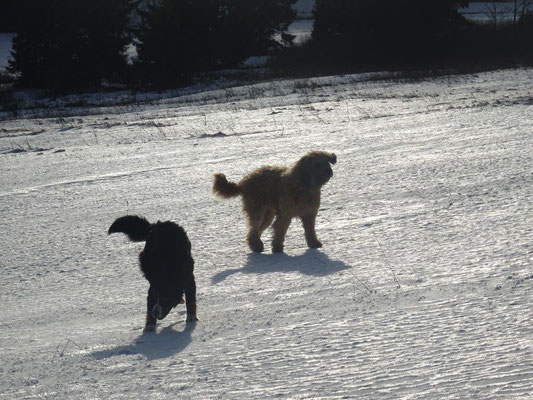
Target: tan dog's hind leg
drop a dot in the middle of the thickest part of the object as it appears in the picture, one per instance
(254, 216)
(280, 226)
(253, 238)
(310, 233)
(256, 228)
(268, 217)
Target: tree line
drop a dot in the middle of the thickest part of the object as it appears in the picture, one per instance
(410, 34)
(81, 43)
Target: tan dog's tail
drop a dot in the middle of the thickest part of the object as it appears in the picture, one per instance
(223, 188)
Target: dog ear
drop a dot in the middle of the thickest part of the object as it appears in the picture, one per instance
(332, 158)
(305, 173)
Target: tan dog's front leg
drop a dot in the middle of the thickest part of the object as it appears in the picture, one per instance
(310, 233)
(280, 227)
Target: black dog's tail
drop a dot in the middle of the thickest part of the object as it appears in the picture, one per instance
(137, 228)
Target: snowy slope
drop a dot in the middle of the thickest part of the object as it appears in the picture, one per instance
(422, 290)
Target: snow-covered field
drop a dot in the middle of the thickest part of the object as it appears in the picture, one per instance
(423, 289)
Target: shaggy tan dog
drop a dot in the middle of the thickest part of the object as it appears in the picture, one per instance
(280, 192)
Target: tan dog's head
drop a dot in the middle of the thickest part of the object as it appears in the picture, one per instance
(314, 168)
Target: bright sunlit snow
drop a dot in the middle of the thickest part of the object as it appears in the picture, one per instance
(422, 290)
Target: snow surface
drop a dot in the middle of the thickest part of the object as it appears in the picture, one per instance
(422, 290)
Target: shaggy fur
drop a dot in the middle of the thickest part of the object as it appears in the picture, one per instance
(166, 263)
(282, 193)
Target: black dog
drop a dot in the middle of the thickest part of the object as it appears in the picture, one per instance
(166, 263)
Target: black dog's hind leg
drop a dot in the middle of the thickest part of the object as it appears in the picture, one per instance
(151, 301)
(181, 299)
(190, 299)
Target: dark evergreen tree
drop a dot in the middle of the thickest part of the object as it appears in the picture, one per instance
(176, 37)
(71, 43)
(377, 30)
(180, 37)
(9, 16)
(251, 26)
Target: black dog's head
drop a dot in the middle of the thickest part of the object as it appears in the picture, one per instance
(167, 297)
(314, 168)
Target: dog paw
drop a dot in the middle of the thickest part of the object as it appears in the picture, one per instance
(315, 245)
(191, 318)
(277, 248)
(256, 246)
(149, 328)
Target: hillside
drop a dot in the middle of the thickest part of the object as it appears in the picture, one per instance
(422, 290)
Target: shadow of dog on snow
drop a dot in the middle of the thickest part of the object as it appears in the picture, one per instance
(312, 263)
(166, 263)
(167, 343)
(281, 192)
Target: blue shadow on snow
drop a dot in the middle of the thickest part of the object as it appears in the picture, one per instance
(163, 344)
(312, 262)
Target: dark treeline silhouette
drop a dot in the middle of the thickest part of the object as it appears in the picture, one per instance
(354, 35)
(9, 17)
(72, 44)
(376, 31)
(179, 37)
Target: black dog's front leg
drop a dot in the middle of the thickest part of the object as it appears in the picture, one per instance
(190, 299)
(151, 301)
